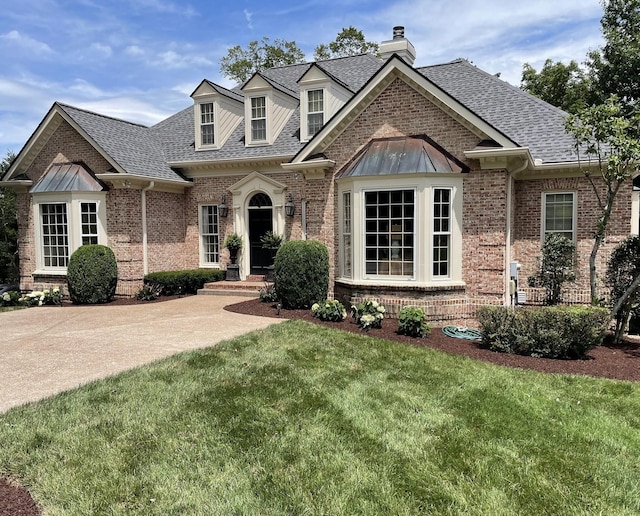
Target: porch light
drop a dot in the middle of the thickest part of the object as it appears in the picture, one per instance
(223, 209)
(289, 207)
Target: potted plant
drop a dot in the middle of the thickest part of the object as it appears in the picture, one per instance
(233, 242)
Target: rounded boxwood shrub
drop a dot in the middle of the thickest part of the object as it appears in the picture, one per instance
(301, 273)
(92, 274)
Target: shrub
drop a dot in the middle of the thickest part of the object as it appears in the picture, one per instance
(148, 293)
(172, 283)
(301, 273)
(329, 310)
(11, 298)
(368, 314)
(412, 321)
(268, 293)
(550, 332)
(92, 274)
(556, 267)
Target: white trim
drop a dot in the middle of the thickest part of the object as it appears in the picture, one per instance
(635, 212)
(202, 263)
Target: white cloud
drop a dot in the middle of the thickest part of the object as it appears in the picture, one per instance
(127, 108)
(100, 51)
(248, 16)
(174, 60)
(134, 51)
(26, 43)
(162, 6)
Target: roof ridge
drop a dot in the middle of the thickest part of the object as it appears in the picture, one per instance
(63, 105)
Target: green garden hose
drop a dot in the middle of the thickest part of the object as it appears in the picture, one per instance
(462, 332)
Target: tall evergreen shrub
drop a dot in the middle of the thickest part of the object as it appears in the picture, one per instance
(92, 274)
(301, 273)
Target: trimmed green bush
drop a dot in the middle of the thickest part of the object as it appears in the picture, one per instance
(301, 273)
(172, 283)
(92, 275)
(412, 321)
(549, 332)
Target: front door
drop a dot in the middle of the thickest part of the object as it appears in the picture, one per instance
(260, 221)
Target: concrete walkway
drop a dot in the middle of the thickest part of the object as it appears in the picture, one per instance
(47, 350)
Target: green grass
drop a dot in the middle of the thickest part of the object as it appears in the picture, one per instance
(300, 419)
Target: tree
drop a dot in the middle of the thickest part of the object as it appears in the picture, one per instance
(609, 140)
(8, 228)
(564, 86)
(623, 271)
(615, 68)
(241, 63)
(349, 42)
(556, 267)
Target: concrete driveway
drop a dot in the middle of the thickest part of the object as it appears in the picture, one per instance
(47, 350)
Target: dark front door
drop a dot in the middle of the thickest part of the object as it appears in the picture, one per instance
(260, 221)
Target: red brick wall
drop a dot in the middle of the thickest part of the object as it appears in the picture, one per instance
(528, 230)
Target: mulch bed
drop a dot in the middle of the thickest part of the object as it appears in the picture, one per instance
(619, 362)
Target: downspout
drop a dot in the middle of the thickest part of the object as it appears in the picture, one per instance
(507, 252)
(145, 257)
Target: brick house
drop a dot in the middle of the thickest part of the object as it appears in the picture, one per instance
(424, 183)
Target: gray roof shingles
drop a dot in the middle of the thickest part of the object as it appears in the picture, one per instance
(146, 151)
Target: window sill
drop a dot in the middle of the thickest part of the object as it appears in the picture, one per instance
(405, 286)
(44, 272)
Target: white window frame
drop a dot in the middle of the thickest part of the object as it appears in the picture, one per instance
(438, 231)
(346, 238)
(253, 118)
(309, 112)
(423, 229)
(574, 214)
(73, 202)
(202, 224)
(200, 123)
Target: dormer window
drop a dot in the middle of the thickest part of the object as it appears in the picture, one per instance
(207, 125)
(315, 111)
(258, 119)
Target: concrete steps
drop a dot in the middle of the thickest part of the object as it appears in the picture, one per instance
(248, 288)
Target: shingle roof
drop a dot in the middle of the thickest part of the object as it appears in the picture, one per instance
(525, 119)
(130, 145)
(146, 151)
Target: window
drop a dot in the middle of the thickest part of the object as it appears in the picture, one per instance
(389, 232)
(559, 214)
(209, 235)
(207, 124)
(346, 235)
(258, 119)
(55, 235)
(315, 111)
(441, 231)
(89, 221)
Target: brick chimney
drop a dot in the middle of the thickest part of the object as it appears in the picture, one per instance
(398, 45)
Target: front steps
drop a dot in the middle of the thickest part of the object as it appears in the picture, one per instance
(248, 288)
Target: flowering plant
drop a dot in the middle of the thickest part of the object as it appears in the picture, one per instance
(368, 314)
(42, 297)
(10, 298)
(329, 310)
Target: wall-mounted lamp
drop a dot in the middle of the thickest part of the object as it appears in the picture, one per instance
(223, 209)
(289, 207)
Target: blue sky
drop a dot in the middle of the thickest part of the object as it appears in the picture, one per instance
(140, 59)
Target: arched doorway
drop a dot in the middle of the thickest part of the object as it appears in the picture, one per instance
(260, 214)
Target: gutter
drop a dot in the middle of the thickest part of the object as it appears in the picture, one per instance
(507, 247)
(145, 254)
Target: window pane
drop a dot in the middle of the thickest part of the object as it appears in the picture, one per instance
(441, 232)
(207, 123)
(55, 235)
(389, 233)
(346, 235)
(315, 111)
(209, 234)
(558, 217)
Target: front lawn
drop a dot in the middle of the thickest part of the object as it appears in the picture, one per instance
(301, 419)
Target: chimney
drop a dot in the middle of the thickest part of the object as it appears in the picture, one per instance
(398, 45)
